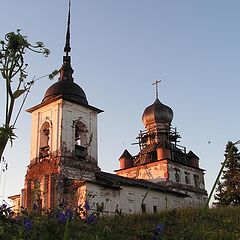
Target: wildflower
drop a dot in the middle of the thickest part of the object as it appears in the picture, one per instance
(87, 207)
(69, 214)
(91, 219)
(157, 231)
(62, 217)
(159, 228)
(27, 224)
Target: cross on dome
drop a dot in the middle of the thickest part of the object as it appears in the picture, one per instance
(156, 83)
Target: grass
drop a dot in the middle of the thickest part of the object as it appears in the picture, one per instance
(182, 224)
(219, 224)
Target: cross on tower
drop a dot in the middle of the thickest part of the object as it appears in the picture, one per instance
(156, 83)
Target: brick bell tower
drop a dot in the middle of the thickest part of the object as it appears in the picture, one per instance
(63, 140)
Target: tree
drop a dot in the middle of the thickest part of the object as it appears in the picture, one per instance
(13, 70)
(228, 189)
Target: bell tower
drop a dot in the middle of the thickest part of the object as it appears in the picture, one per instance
(63, 140)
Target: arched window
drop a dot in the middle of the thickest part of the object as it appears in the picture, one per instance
(80, 134)
(187, 178)
(44, 140)
(80, 139)
(177, 175)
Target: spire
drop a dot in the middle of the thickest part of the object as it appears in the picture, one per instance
(66, 70)
(156, 83)
(67, 47)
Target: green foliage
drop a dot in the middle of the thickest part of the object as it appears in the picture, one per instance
(228, 189)
(13, 70)
(182, 224)
(6, 132)
(53, 74)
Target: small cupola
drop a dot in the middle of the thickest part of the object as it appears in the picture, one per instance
(126, 160)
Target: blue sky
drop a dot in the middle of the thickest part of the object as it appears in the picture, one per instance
(118, 49)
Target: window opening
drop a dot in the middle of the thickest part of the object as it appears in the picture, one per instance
(80, 134)
(155, 209)
(196, 180)
(144, 208)
(44, 140)
(80, 139)
(187, 178)
(177, 175)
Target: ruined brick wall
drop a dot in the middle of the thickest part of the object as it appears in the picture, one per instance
(41, 185)
(155, 171)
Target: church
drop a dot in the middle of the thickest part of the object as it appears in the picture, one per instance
(64, 157)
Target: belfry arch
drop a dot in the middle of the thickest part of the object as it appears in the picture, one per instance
(80, 133)
(44, 139)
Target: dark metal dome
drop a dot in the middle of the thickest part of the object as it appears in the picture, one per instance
(157, 113)
(68, 90)
(65, 87)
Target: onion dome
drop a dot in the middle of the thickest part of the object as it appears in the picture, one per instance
(157, 113)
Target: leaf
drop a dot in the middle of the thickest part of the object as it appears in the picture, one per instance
(6, 132)
(40, 44)
(18, 93)
(53, 74)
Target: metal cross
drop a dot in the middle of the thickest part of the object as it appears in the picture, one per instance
(156, 83)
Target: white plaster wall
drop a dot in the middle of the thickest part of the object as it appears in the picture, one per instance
(72, 112)
(171, 169)
(196, 198)
(53, 114)
(129, 199)
(61, 114)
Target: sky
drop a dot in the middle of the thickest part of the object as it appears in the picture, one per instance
(119, 47)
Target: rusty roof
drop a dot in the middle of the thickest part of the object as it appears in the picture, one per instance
(113, 180)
